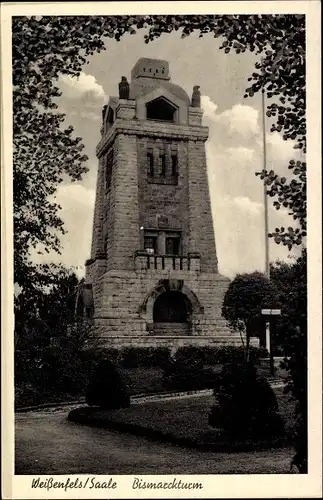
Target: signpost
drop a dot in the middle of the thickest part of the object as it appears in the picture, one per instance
(271, 312)
(268, 315)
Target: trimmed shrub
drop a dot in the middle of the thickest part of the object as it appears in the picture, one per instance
(246, 405)
(134, 357)
(107, 389)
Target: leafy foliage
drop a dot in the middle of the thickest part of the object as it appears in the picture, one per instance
(294, 302)
(246, 296)
(290, 281)
(45, 308)
(290, 195)
(57, 370)
(246, 405)
(49, 344)
(44, 153)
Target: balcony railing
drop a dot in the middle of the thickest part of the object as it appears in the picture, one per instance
(145, 261)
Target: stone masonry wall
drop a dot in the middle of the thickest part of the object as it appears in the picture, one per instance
(110, 207)
(126, 208)
(119, 296)
(164, 200)
(201, 230)
(98, 216)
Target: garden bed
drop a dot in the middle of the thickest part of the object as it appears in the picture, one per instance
(139, 380)
(182, 422)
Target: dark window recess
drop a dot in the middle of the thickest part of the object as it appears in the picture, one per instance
(89, 312)
(174, 166)
(173, 246)
(150, 244)
(106, 244)
(150, 162)
(160, 109)
(108, 169)
(162, 164)
(110, 117)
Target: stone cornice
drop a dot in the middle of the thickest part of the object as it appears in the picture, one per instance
(152, 129)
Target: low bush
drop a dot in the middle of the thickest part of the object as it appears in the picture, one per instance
(107, 389)
(246, 405)
(146, 357)
(257, 353)
(191, 356)
(92, 357)
(212, 355)
(134, 357)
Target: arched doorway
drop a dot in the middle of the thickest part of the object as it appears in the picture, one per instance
(172, 314)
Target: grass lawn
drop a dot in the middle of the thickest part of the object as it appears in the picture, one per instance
(143, 380)
(180, 421)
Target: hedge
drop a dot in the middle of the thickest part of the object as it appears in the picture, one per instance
(213, 355)
(134, 357)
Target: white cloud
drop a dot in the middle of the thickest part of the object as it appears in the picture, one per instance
(241, 153)
(240, 121)
(234, 154)
(85, 114)
(245, 204)
(82, 98)
(208, 106)
(240, 235)
(73, 87)
(77, 204)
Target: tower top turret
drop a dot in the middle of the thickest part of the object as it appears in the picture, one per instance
(150, 68)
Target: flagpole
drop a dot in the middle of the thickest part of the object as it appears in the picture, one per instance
(267, 266)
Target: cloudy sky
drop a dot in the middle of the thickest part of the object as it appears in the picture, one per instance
(234, 148)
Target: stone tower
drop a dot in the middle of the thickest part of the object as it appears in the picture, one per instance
(153, 269)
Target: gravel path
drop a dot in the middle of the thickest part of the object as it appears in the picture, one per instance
(47, 443)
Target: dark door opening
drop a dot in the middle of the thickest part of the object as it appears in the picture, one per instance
(171, 307)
